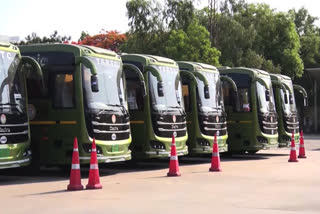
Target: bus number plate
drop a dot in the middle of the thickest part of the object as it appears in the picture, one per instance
(4, 152)
(115, 148)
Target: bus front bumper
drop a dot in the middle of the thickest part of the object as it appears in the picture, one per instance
(106, 159)
(164, 153)
(14, 164)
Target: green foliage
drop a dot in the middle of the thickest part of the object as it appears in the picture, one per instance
(54, 38)
(179, 13)
(192, 45)
(250, 35)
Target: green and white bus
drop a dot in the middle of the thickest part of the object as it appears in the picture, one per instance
(288, 116)
(82, 94)
(252, 122)
(155, 105)
(14, 125)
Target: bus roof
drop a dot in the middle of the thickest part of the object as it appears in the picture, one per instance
(195, 66)
(149, 59)
(78, 50)
(249, 71)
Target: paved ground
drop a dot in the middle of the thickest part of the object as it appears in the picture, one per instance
(261, 183)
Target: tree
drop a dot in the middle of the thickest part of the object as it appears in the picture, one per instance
(111, 40)
(192, 45)
(54, 38)
(84, 34)
(179, 14)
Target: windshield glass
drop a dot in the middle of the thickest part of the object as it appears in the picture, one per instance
(171, 87)
(215, 101)
(12, 87)
(287, 107)
(264, 105)
(110, 81)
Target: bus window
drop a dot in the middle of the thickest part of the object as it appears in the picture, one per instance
(64, 91)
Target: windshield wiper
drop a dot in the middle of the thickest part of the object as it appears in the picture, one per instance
(103, 111)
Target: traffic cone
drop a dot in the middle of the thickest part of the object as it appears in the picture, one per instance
(293, 154)
(302, 152)
(174, 164)
(94, 180)
(75, 174)
(215, 160)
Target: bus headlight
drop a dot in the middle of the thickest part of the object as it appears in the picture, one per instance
(27, 152)
(87, 148)
(203, 142)
(157, 145)
(261, 139)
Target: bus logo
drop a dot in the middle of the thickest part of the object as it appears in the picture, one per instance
(3, 119)
(3, 139)
(113, 136)
(174, 119)
(114, 118)
(217, 119)
(175, 134)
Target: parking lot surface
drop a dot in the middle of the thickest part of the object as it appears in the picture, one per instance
(261, 183)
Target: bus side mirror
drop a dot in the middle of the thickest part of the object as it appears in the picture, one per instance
(160, 89)
(206, 92)
(143, 88)
(285, 98)
(94, 83)
(290, 98)
(267, 95)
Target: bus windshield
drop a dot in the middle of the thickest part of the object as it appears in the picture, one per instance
(264, 105)
(171, 86)
(111, 91)
(215, 101)
(12, 95)
(287, 107)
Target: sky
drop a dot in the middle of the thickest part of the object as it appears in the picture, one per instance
(70, 17)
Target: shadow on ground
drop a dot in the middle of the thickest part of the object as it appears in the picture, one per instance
(23, 176)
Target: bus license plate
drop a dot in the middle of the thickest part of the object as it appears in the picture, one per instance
(115, 148)
(4, 152)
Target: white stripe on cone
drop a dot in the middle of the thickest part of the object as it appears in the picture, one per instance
(94, 166)
(174, 158)
(93, 150)
(75, 166)
(76, 150)
(293, 148)
(215, 154)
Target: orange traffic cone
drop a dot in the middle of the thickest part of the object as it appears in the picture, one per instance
(94, 180)
(302, 152)
(75, 175)
(293, 154)
(174, 164)
(215, 160)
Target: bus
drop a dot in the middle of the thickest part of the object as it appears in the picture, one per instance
(155, 105)
(203, 100)
(82, 94)
(14, 124)
(286, 108)
(252, 121)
